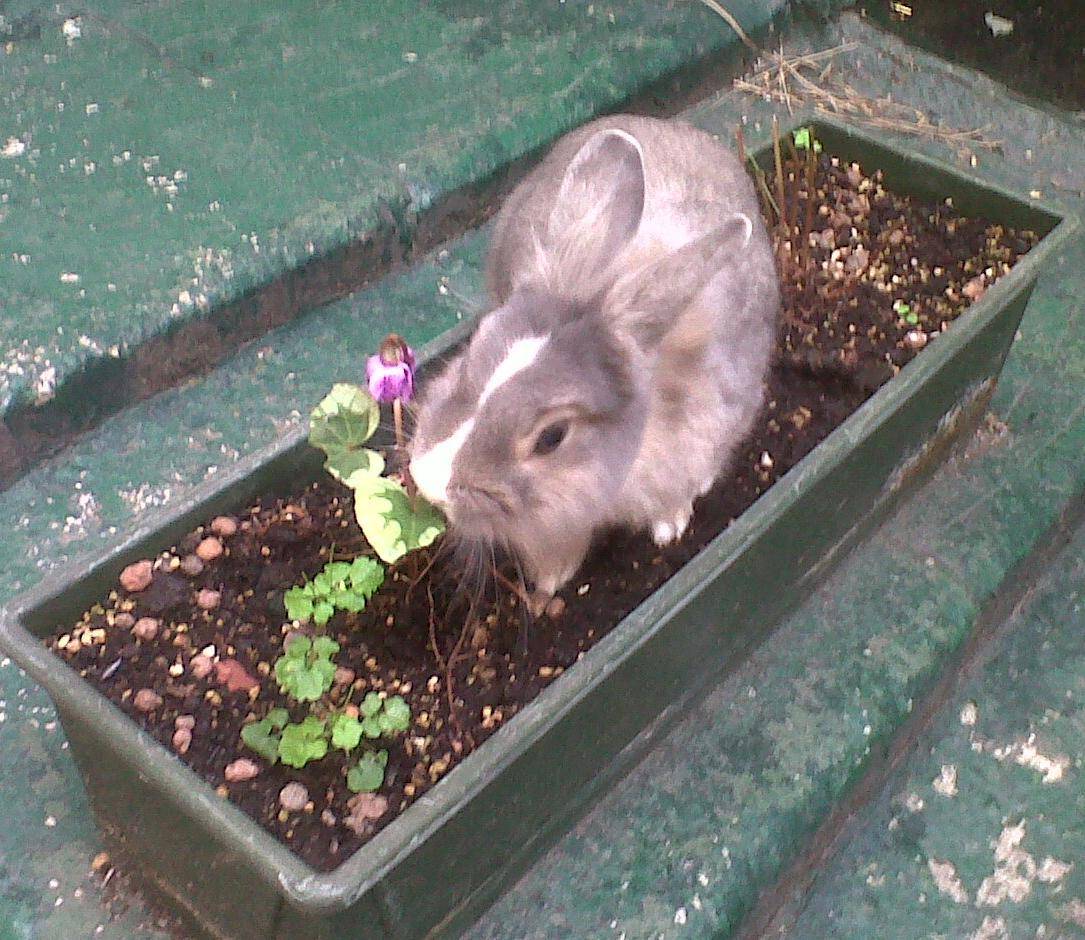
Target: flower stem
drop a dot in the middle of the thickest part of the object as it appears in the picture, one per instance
(397, 414)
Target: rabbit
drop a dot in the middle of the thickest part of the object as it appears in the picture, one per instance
(634, 307)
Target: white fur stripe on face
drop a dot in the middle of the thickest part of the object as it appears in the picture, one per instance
(520, 356)
(432, 471)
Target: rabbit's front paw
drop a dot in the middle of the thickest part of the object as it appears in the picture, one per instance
(668, 530)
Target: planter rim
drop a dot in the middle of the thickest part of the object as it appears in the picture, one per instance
(314, 891)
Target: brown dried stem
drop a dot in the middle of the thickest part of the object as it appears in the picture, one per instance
(791, 80)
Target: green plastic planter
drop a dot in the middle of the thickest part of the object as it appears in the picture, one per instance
(453, 850)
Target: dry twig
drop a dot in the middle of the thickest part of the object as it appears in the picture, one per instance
(785, 79)
(792, 80)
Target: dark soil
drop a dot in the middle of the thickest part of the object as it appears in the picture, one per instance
(841, 338)
(1044, 55)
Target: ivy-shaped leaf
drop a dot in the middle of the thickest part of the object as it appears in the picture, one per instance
(396, 716)
(346, 732)
(368, 774)
(392, 522)
(305, 670)
(299, 606)
(371, 704)
(263, 736)
(343, 421)
(303, 742)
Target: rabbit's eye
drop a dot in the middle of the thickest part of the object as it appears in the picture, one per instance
(550, 438)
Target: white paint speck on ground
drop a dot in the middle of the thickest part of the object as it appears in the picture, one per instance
(969, 714)
(946, 781)
(1015, 870)
(947, 880)
(13, 148)
(680, 916)
(992, 928)
(1051, 870)
(914, 802)
(1026, 754)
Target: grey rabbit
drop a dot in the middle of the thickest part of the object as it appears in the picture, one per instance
(635, 300)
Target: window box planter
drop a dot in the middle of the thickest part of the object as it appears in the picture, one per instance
(454, 849)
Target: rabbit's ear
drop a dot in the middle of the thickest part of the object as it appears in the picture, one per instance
(599, 204)
(646, 302)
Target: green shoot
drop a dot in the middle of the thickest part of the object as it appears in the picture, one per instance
(341, 585)
(303, 742)
(804, 139)
(305, 670)
(263, 736)
(368, 774)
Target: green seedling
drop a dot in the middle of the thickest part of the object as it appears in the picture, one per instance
(905, 312)
(384, 717)
(340, 585)
(367, 775)
(263, 736)
(305, 671)
(346, 732)
(303, 742)
(804, 139)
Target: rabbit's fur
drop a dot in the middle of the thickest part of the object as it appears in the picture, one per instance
(635, 305)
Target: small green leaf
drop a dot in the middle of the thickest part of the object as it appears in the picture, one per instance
(343, 421)
(396, 716)
(371, 704)
(322, 613)
(262, 737)
(371, 727)
(368, 774)
(366, 576)
(353, 603)
(299, 647)
(301, 743)
(346, 732)
(337, 571)
(393, 522)
(801, 136)
(298, 606)
(325, 647)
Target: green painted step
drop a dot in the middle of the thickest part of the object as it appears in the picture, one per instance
(980, 834)
(163, 166)
(756, 766)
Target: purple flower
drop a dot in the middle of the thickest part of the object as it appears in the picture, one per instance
(390, 373)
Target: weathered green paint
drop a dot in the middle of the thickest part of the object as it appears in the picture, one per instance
(991, 803)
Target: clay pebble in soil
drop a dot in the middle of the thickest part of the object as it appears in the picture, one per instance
(207, 599)
(200, 666)
(293, 797)
(209, 549)
(841, 336)
(224, 526)
(191, 565)
(137, 576)
(240, 770)
(146, 628)
(147, 700)
(182, 740)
